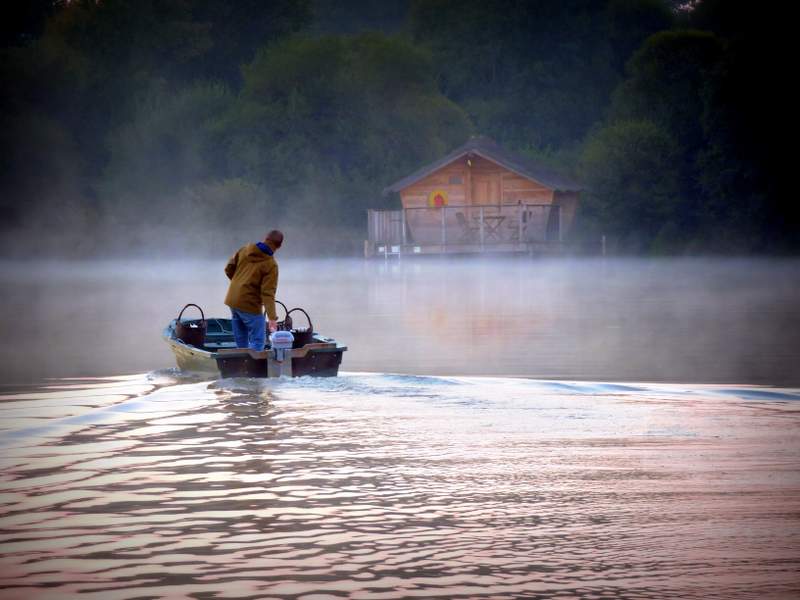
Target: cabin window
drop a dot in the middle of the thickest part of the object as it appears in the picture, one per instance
(456, 180)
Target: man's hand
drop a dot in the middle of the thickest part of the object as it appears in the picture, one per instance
(273, 326)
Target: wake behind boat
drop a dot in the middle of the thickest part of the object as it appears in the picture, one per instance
(208, 346)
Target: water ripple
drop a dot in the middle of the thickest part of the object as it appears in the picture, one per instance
(377, 486)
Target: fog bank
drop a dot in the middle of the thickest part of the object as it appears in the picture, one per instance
(679, 320)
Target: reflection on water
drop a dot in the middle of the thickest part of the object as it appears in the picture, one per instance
(637, 320)
(389, 486)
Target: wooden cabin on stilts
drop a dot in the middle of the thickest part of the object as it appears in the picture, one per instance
(479, 198)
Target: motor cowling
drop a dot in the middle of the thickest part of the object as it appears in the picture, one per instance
(281, 343)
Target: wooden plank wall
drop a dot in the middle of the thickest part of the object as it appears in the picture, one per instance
(491, 184)
(568, 201)
(451, 179)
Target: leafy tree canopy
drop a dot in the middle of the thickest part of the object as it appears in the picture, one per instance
(533, 74)
(345, 114)
(117, 108)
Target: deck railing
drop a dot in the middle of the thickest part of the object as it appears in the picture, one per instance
(481, 226)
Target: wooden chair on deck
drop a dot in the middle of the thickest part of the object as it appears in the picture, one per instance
(468, 230)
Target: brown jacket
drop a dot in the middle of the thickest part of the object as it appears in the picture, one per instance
(254, 280)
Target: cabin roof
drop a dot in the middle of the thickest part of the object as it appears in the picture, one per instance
(490, 150)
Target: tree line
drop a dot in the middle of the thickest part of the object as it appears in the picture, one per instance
(130, 125)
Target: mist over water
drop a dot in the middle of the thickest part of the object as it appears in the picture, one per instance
(681, 320)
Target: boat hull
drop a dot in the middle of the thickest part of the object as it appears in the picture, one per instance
(320, 357)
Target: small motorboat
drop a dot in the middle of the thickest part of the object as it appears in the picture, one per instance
(208, 346)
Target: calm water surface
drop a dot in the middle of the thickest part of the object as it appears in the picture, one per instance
(447, 479)
(687, 320)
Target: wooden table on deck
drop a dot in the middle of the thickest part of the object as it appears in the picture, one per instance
(492, 225)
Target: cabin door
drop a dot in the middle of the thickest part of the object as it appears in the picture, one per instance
(485, 190)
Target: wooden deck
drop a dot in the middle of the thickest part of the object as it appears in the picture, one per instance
(397, 250)
(528, 229)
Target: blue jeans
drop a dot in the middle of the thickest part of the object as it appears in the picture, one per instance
(249, 330)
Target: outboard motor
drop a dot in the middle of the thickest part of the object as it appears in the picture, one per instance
(281, 343)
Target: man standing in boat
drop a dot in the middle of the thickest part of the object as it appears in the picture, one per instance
(253, 272)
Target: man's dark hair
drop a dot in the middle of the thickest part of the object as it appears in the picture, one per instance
(276, 237)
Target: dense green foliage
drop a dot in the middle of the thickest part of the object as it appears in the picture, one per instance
(132, 121)
(708, 92)
(338, 115)
(535, 75)
(651, 145)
